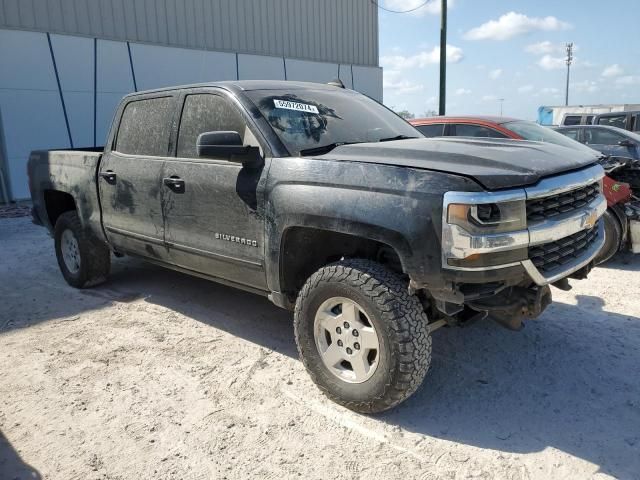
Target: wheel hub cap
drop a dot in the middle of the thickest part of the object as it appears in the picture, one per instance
(346, 340)
(70, 251)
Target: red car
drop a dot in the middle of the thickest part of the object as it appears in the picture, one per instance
(616, 193)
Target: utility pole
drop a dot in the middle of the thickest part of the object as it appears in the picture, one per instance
(443, 58)
(501, 100)
(568, 60)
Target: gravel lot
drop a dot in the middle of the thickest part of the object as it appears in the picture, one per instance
(159, 375)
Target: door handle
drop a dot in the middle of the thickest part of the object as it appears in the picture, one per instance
(109, 176)
(175, 184)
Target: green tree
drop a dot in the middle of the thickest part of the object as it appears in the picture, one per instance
(406, 114)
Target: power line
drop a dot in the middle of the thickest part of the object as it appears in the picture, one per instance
(400, 11)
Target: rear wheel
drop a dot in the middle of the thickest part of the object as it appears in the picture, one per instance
(362, 337)
(612, 237)
(83, 259)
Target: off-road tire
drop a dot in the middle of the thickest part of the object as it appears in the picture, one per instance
(612, 237)
(95, 257)
(400, 323)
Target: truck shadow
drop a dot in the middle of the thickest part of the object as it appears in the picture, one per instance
(567, 381)
(12, 466)
(623, 261)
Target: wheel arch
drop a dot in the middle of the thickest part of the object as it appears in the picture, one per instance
(305, 248)
(57, 202)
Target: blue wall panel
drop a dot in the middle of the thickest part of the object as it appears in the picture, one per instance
(114, 81)
(157, 67)
(30, 103)
(256, 67)
(306, 71)
(74, 58)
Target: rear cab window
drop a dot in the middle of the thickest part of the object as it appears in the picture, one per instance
(145, 127)
(431, 130)
(478, 131)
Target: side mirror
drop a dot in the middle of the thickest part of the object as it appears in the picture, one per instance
(626, 143)
(226, 144)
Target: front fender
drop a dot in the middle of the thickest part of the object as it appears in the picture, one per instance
(397, 206)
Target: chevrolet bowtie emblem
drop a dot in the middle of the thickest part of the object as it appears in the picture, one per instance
(591, 219)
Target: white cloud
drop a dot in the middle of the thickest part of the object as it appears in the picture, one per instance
(550, 90)
(394, 83)
(525, 88)
(430, 8)
(463, 91)
(547, 47)
(495, 74)
(549, 62)
(585, 86)
(614, 70)
(513, 24)
(421, 59)
(628, 80)
(541, 48)
(489, 98)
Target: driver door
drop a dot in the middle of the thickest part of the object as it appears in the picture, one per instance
(214, 220)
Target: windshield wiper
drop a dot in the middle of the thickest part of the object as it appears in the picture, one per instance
(397, 137)
(323, 149)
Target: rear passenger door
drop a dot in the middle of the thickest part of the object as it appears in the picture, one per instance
(130, 176)
(215, 223)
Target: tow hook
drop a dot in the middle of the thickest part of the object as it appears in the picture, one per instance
(563, 284)
(512, 305)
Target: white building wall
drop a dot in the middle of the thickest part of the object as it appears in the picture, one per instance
(94, 74)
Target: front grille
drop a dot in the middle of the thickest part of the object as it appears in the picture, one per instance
(547, 207)
(552, 255)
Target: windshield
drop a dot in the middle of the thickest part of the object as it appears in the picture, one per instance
(537, 133)
(306, 119)
(631, 135)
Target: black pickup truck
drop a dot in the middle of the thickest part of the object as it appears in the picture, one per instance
(332, 206)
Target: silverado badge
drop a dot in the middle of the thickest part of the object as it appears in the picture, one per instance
(234, 239)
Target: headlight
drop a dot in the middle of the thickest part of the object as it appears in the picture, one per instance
(486, 218)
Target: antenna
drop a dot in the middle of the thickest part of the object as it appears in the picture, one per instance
(569, 59)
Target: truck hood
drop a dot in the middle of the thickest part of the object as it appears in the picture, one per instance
(494, 163)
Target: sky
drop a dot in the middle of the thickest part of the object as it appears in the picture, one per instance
(512, 50)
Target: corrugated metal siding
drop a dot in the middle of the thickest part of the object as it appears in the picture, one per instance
(340, 31)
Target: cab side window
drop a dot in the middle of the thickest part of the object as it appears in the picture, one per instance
(465, 130)
(600, 136)
(619, 121)
(432, 130)
(572, 120)
(572, 133)
(145, 127)
(206, 113)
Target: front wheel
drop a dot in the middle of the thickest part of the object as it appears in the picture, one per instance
(83, 259)
(612, 237)
(362, 337)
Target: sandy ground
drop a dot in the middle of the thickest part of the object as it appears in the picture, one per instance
(159, 375)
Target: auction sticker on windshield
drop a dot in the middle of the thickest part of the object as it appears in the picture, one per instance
(299, 107)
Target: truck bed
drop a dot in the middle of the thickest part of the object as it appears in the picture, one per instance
(59, 172)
